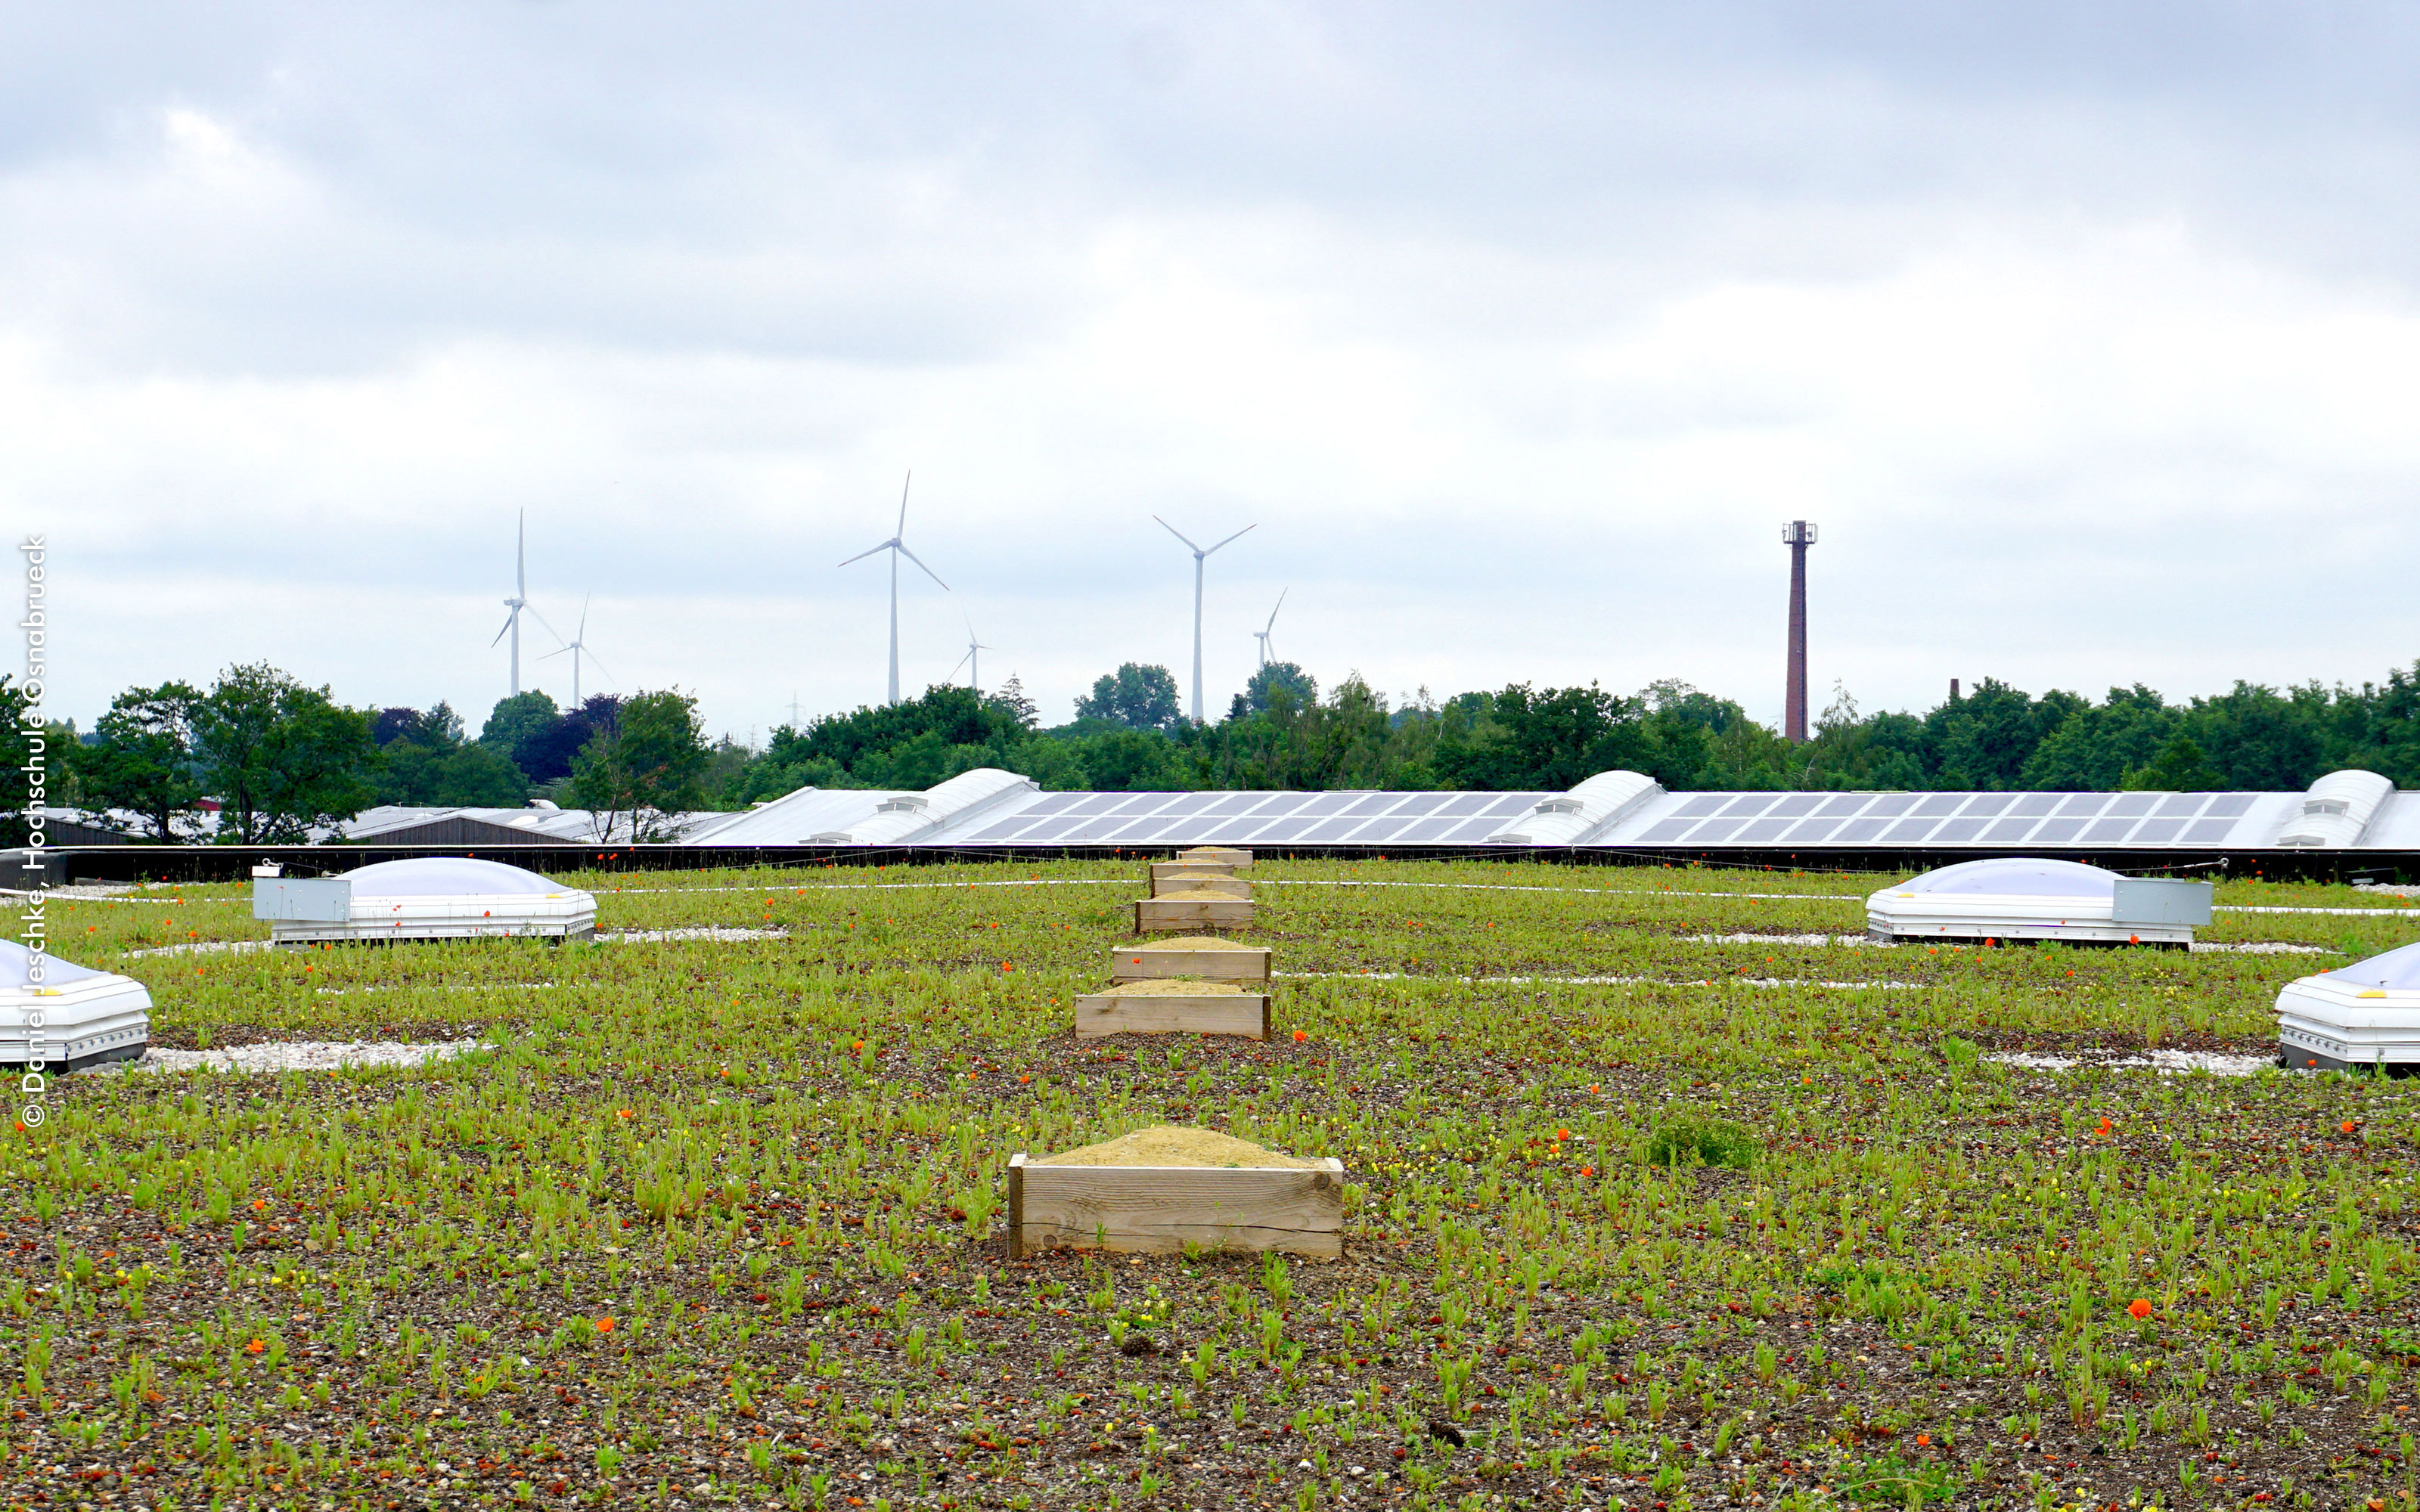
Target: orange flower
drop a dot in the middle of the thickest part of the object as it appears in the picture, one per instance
(1022, 1079)
(1922, 1440)
(2347, 1126)
(622, 1113)
(2138, 1309)
(254, 1347)
(857, 1044)
(260, 1206)
(1299, 1036)
(1563, 1134)
(604, 1325)
(1588, 1170)
(2105, 1129)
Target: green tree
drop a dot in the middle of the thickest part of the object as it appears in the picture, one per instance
(19, 746)
(1299, 686)
(516, 724)
(648, 765)
(2093, 748)
(141, 760)
(2179, 767)
(1135, 697)
(282, 759)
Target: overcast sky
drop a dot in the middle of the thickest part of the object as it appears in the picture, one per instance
(2086, 332)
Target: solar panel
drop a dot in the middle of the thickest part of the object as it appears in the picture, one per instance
(1857, 830)
(1891, 804)
(1988, 803)
(1472, 831)
(2080, 804)
(1051, 803)
(2230, 804)
(1763, 832)
(1091, 803)
(1468, 803)
(2131, 805)
(2108, 831)
(1332, 831)
(1665, 831)
(2057, 831)
(2182, 805)
(1907, 831)
(1702, 805)
(1959, 829)
(1940, 805)
(1422, 803)
(1713, 829)
(2155, 831)
(1513, 803)
(1753, 803)
(2209, 831)
(1236, 803)
(1048, 829)
(2033, 805)
(1812, 830)
(1846, 804)
(1796, 804)
(2009, 831)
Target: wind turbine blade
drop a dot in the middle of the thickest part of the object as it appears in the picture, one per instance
(584, 619)
(903, 504)
(500, 634)
(869, 551)
(962, 662)
(550, 629)
(1273, 613)
(1245, 530)
(556, 651)
(520, 557)
(598, 665)
(929, 571)
(1179, 534)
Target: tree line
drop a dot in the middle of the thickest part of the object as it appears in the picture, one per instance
(281, 758)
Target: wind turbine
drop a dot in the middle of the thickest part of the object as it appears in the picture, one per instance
(1262, 635)
(576, 646)
(519, 601)
(898, 547)
(1199, 553)
(970, 661)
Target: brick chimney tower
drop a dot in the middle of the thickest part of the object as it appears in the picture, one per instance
(1798, 536)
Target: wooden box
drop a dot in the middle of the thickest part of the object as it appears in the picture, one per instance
(1184, 881)
(1147, 962)
(1226, 854)
(1170, 869)
(1098, 1014)
(1161, 1209)
(1192, 913)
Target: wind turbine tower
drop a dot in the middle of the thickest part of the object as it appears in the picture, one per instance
(897, 547)
(519, 601)
(576, 645)
(1263, 634)
(970, 661)
(1199, 554)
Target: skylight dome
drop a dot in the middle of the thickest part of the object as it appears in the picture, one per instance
(2363, 1015)
(2013, 899)
(426, 898)
(86, 1017)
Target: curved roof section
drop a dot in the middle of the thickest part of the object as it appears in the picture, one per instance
(447, 877)
(2397, 970)
(17, 968)
(2013, 877)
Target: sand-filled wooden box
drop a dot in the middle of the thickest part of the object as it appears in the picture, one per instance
(1161, 870)
(1225, 855)
(1067, 1201)
(1172, 1007)
(1222, 884)
(1192, 912)
(1208, 959)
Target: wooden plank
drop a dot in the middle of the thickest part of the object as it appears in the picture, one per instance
(1161, 1209)
(1222, 886)
(1153, 962)
(1238, 1014)
(1193, 913)
(1240, 861)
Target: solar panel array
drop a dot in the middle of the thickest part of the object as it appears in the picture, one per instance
(1250, 819)
(1948, 819)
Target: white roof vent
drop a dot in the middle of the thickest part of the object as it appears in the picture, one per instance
(2336, 811)
(1569, 818)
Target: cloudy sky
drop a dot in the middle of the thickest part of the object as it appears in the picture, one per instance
(2085, 332)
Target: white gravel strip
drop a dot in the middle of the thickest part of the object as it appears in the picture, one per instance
(302, 1055)
(2259, 948)
(1606, 982)
(202, 948)
(646, 936)
(2166, 1062)
(1852, 940)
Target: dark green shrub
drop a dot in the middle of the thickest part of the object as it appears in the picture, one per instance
(1694, 1141)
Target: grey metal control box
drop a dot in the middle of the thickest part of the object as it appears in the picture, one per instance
(2160, 901)
(317, 900)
